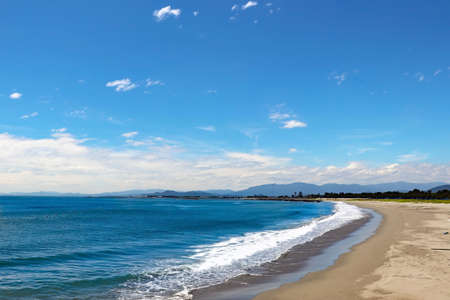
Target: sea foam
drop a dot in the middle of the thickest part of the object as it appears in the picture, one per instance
(215, 263)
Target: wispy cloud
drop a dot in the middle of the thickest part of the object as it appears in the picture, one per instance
(211, 91)
(365, 134)
(338, 77)
(292, 150)
(249, 4)
(276, 116)
(257, 158)
(130, 134)
(412, 157)
(122, 85)
(15, 95)
(114, 120)
(79, 113)
(151, 82)
(252, 133)
(209, 128)
(161, 14)
(234, 7)
(293, 124)
(195, 13)
(32, 115)
(59, 130)
(437, 72)
(135, 143)
(365, 150)
(419, 76)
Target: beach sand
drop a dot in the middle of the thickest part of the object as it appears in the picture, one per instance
(401, 261)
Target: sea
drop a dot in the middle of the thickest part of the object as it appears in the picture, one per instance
(142, 248)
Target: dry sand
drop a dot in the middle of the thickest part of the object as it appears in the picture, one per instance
(400, 261)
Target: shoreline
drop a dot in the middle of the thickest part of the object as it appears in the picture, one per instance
(295, 263)
(407, 258)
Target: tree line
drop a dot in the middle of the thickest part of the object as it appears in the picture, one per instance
(414, 194)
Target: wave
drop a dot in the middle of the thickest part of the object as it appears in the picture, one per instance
(59, 258)
(215, 263)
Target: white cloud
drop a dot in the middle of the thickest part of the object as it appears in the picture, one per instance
(122, 85)
(249, 4)
(196, 13)
(15, 96)
(234, 7)
(251, 158)
(436, 73)
(276, 116)
(279, 116)
(32, 115)
(292, 150)
(130, 134)
(207, 128)
(66, 164)
(165, 12)
(293, 124)
(412, 157)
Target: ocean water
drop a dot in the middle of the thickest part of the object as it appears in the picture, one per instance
(106, 248)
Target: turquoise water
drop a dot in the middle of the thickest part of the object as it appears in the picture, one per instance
(102, 248)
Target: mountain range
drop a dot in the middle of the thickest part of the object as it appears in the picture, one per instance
(441, 188)
(266, 189)
(307, 188)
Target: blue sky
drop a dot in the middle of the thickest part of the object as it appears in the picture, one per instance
(222, 94)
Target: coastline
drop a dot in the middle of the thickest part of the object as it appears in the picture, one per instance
(407, 258)
(300, 260)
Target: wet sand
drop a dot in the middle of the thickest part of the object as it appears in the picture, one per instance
(292, 265)
(407, 258)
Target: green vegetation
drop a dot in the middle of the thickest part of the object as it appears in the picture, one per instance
(442, 196)
(447, 201)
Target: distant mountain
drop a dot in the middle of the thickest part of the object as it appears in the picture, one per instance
(128, 193)
(182, 194)
(266, 189)
(441, 188)
(306, 188)
(279, 189)
(111, 194)
(221, 192)
(44, 194)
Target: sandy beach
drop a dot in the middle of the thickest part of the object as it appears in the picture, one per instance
(407, 258)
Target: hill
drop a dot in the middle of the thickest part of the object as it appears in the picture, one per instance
(441, 188)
